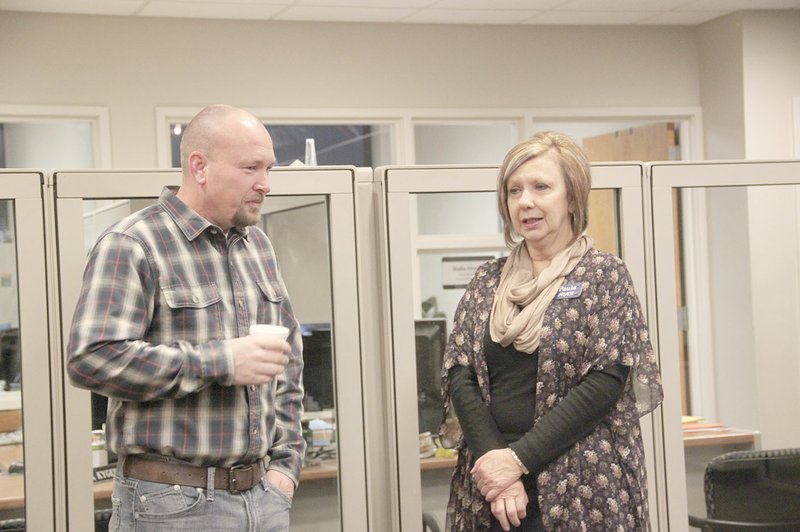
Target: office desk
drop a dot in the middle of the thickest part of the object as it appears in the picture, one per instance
(12, 489)
(718, 436)
(11, 419)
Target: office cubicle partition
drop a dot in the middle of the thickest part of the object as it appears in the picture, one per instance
(713, 248)
(441, 223)
(727, 263)
(26, 481)
(310, 218)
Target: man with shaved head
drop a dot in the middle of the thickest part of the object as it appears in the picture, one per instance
(204, 417)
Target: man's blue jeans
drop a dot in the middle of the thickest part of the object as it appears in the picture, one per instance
(142, 506)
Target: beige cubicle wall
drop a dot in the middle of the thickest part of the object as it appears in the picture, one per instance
(25, 395)
(450, 214)
(365, 250)
(310, 217)
(738, 258)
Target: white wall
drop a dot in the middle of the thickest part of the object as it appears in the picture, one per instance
(721, 91)
(731, 315)
(721, 87)
(749, 76)
(771, 64)
(771, 45)
(132, 65)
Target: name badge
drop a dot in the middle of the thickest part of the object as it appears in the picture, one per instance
(570, 291)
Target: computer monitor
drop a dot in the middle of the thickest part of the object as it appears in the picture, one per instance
(318, 366)
(430, 340)
(10, 358)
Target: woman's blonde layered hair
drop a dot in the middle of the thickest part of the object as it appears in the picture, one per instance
(577, 174)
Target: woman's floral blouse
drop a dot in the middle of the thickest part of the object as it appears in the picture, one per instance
(599, 483)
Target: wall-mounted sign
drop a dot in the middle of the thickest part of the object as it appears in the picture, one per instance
(457, 272)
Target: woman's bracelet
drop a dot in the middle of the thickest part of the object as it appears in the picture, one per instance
(519, 462)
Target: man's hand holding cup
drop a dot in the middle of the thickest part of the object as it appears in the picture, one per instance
(261, 355)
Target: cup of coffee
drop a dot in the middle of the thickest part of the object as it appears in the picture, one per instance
(267, 329)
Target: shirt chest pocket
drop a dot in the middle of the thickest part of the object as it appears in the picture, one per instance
(185, 297)
(191, 312)
(269, 307)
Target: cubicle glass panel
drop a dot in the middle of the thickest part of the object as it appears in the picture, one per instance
(727, 259)
(443, 213)
(442, 224)
(25, 438)
(309, 219)
(11, 435)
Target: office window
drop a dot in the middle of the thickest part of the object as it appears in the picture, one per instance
(454, 142)
(47, 144)
(336, 144)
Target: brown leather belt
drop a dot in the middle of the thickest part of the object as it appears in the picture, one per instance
(234, 479)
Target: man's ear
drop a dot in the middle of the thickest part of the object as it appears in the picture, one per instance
(197, 163)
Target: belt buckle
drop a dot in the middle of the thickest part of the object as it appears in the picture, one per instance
(233, 477)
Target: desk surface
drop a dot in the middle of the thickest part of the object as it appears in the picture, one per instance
(703, 437)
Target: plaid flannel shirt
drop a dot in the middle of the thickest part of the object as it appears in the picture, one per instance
(163, 292)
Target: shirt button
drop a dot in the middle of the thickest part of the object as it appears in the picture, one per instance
(255, 431)
(195, 299)
(252, 387)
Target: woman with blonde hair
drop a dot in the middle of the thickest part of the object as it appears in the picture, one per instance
(549, 365)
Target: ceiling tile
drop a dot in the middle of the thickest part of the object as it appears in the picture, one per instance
(526, 5)
(396, 4)
(83, 7)
(469, 16)
(344, 14)
(736, 5)
(582, 12)
(169, 8)
(621, 5)
(589, 18)
(681, 18)
(228, 2)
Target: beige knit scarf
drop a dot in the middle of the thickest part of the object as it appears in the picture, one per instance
(522, 298)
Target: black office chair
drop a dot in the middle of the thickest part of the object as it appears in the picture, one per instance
(13, 525)
(429, 523)
(752, 490)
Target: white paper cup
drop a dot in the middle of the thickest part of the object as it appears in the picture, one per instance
(266, 329)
